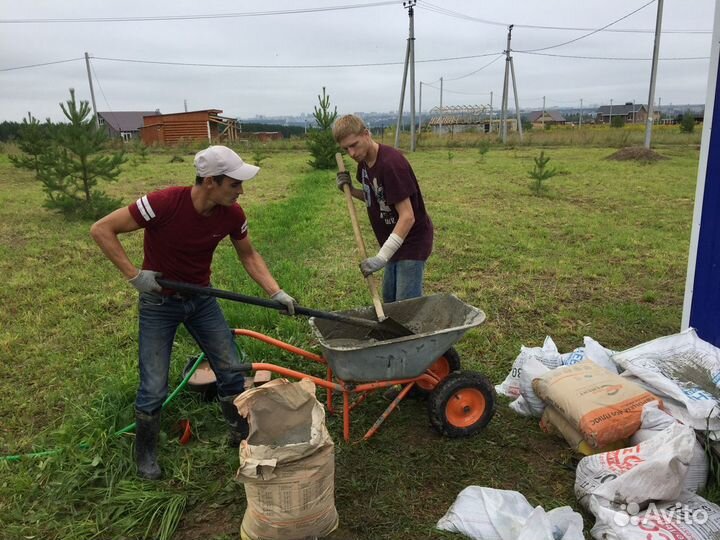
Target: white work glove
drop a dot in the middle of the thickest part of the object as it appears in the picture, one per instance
(145, 281)
(373, 264)
(343, 178)
(286, 300)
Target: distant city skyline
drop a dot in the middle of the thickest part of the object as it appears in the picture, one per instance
(275, 57)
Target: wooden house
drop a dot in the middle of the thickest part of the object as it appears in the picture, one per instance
(207, 126)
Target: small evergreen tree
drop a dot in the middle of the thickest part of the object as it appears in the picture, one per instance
(617, 121)
(73, 166)
(539, 173)
(321, 142)
(687, 122)
(34, 141)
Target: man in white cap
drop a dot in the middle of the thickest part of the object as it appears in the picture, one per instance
(183, 226)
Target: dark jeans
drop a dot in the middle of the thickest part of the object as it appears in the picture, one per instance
(159, 319)
(403, 280)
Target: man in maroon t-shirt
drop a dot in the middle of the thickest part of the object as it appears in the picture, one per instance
(395, 207)
(183, 226)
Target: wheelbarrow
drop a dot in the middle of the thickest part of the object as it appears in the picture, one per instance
(460, 403)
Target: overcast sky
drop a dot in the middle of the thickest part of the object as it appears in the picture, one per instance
(345, 32)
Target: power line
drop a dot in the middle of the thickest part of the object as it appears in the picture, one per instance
(43, 64)
(197, 17)
(613, 57)
(437, 9)
(590, 33)
(477, 70)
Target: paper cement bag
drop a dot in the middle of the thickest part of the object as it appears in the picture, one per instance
(287, 463)
(601, 405)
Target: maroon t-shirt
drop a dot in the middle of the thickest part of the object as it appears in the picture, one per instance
(180, 242)
(389, 181)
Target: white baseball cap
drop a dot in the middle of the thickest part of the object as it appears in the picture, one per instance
(220, 160)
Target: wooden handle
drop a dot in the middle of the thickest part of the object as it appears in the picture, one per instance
(360, 242)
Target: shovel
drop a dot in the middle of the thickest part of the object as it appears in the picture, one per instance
(389, 324)
(378, 330)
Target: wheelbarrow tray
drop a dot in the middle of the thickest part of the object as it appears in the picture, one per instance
(438, 321)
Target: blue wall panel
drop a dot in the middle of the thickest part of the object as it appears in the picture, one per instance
(705, 310)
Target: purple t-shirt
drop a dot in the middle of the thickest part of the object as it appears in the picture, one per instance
(389, 181)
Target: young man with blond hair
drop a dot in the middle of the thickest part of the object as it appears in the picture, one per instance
(395, 208)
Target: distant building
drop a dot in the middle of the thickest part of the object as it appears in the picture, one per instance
(460, 118)
(207, 126)
(123, 125)
(631, 113)
(264, 136)
(546, 118)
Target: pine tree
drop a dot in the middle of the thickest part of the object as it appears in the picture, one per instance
(321, 142)
(76, 162)
(34, 141)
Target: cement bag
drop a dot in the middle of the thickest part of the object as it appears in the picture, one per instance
(654, 421)
(653, 470)
(528, 403)
(548, 355)
(681, 366)
(689, 518)
(603, 406)
(484, 513)
(287, 463)
(554, 423)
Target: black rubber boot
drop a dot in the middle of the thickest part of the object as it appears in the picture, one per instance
(238, 424)
(147, 429)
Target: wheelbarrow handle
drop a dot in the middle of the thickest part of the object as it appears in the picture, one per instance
(262, 302)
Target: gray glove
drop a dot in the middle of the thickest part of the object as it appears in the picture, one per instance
(343, 178)
(286, 300)
(371, 265)
(145, 281)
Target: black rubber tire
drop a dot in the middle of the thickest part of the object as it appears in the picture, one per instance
(449, 389)
(453, 360)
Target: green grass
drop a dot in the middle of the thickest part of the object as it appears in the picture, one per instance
(603, 253)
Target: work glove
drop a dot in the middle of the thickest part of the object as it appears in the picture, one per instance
(372, 264)
(343, 178)
(286, 300)
(145, 281)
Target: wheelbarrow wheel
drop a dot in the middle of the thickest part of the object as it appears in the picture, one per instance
(441, 368)
(462, 404)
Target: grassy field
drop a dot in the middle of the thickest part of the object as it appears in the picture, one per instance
(602, 254)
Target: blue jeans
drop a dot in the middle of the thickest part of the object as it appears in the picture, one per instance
(403, 280)
(159, 319)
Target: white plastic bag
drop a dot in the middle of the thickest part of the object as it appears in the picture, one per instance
(528, 403)
(690, 517)
(484, 513)
(681, 366)
(653, 470)
(654, 421)
(548, 355)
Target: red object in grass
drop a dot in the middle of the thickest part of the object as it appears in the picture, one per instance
(186, 432)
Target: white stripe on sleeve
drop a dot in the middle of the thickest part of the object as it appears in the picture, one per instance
(244, 227)
(145, 209)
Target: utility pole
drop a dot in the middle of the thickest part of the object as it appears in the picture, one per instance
(543, 114)
(92, 92)
(611, 111)
(581, 112)
(509, 71)
(409, 61)
(441, 109)
(660, 108)
(419, 128)
(653, 75)
(633, 111)
(185, 101)
(491, 111)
